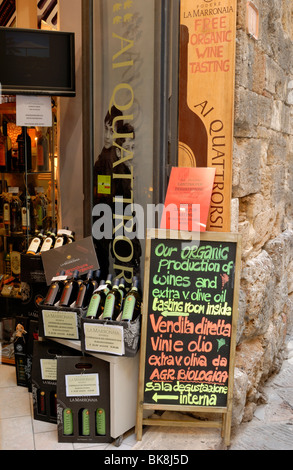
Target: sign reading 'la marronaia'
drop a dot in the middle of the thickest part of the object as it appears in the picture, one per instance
(206, 99)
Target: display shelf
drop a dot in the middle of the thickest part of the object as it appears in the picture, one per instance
(27, 184)
(123, 388)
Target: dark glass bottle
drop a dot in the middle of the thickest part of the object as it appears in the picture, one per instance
(112, 303)
(24, 151)
(55, 291)
(6, 213)
(15, 214)
(49, 241)
(41, 402)
(108, 284)
(193, 137)
(35, 244)
(122, 290)
(70, 291)
(26, 215)
(132, 304)
(97, 276)
(86, 290)
(42, 151)
(5, 150)
(41, 205)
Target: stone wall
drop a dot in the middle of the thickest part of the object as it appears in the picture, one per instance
(263, 197)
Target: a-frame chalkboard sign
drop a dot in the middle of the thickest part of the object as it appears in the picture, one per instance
(189, 322)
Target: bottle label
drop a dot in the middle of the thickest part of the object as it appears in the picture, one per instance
(25, 218)
(128, 307)
(6, 213)
(109, 307)
(59, 242)
(47, 245)
(58, 278)
(94, 305)
(34, 246)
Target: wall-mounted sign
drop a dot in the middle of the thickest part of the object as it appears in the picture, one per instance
(33, 111)
(206, 97)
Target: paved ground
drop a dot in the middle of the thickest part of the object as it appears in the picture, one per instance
(270, 429)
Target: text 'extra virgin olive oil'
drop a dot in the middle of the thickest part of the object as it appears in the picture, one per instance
(97, 302)
(132, 304)
(113, 303)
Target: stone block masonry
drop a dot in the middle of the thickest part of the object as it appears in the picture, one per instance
(263, 189)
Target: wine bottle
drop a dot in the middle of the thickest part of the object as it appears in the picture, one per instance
(49, 241)
(97, 276)
(6, 214)
(70, 238)
(15, 214)
(132, 304)
(8, 147)
(86, 290)
(108, 284)
(55, 290)
(41, 204)
(35, 244)
(60, 240)
(7, 261)
(193, 137)
(42, 151)
(70, 291)
(122, 290)
(85, 421)
(5, 150)
(41, 402)
(26, 216)
(112, 303)
(24, 151)
(53, 404)
(20, 355)
(97, 302)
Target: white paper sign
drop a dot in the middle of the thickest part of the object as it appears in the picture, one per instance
(33, 111)
(82, 385)
(104, 338)
(49, 369)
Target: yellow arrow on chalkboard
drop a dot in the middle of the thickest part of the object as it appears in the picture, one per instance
(157, 397)
(175, 314)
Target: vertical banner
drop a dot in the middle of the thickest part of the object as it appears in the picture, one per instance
(123, 114)
(206, 97)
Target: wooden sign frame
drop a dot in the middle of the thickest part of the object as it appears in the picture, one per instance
(225, 412)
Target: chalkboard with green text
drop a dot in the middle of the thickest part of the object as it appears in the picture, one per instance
(190, 311)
